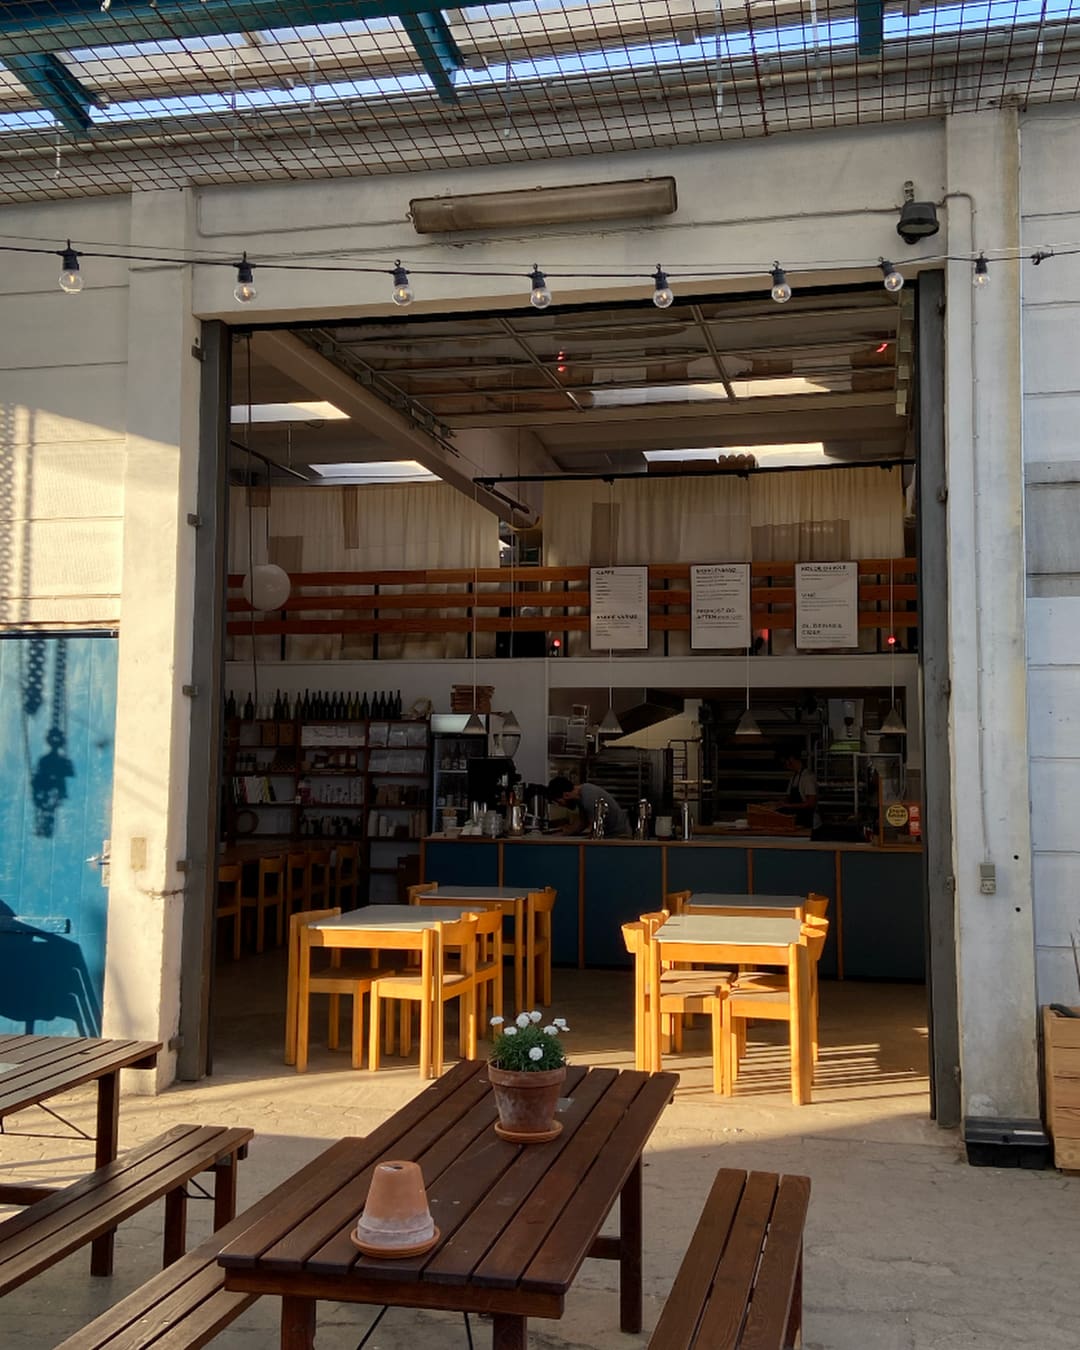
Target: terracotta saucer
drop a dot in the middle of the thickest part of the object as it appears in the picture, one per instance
(521, 1137)
(391, 1254)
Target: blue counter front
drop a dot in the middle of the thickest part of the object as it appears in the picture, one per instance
(877, 929)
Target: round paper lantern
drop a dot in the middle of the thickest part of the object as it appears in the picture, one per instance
(267, 587)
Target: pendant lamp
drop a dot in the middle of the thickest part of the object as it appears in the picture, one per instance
(510, 735)
(747, 723)
(610, 726)
(893, 725)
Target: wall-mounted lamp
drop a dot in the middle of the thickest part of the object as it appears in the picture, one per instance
(918, 220)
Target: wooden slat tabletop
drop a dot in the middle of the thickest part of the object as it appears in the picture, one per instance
(33, 1068)
(512, 1218)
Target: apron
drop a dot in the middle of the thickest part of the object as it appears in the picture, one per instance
(804, 817)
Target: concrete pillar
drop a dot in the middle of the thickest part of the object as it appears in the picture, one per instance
(995, 937)
(142, 978)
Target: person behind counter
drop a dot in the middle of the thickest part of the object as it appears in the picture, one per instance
(586, 797)
(802, 794)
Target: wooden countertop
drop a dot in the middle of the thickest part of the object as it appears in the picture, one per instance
(740, 839)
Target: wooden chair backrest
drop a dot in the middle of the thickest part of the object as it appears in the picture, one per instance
(815, 931)
(347, 853)
(319, 857)
(425, 888)
(676, 901)
(459, 933)
(299, 859)
(542, 902)
(635, 936)
(654, 919)
(817, 905)
(270, 867)
(228, 875)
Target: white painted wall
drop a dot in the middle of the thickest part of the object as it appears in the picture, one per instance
(1050, 205)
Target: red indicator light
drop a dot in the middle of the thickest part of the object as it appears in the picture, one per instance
(891, 640)
(883, 348)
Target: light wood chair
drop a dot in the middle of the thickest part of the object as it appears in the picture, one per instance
(297, 879)
(764, 996)
(424, 888)
(431, 988)
(681, 991)
(817, 906)
(227, 902)
(346, 875)
(269, 893)
(331, 977)
(489, 965)
(536, 957)
(676, 901)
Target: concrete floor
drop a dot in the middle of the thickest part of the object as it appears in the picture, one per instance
(908, 1248)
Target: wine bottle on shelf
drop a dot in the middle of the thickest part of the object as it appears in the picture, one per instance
(365, 709)
(397, 705)
(249, 709)
(230, 705)
(286, 708)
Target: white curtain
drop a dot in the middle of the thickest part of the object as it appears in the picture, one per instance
(827, 515)
(359, 529)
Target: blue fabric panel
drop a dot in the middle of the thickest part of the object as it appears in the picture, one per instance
(462, 863)
(540, 865)
(780, 871)
(883, 916)
(621, 882)
(697, 867)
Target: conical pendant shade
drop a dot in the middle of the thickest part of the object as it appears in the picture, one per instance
(474, 726)
(893, 724)
(747, 725)
(610, 726)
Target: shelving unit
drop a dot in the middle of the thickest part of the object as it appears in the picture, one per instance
(320, 781)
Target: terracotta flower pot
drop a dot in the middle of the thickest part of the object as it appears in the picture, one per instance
(526, 1103)
(396, 1220)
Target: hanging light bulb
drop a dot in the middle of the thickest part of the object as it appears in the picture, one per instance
(70, 277)
(893, 723)
(982, 271)
(245, 284)
(747, 723)
(540, 296)
(894, 280)
(402, 294)
(781, 291)
(662, 294)
(610, 726)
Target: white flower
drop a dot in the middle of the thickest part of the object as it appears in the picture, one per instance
(560, 1022)
(497, 1021)
(536, 1053)
(551, 1031)
(534, 1016)
(510, 1031)
(523, 1020)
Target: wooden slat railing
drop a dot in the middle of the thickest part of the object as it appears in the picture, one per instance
(561, 593)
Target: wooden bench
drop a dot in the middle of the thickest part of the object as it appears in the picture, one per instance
(740, 1283)
(52, 1228)
(186, 1306)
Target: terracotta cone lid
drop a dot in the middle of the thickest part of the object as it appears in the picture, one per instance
(396, 1220)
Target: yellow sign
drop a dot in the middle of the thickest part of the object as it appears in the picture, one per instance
(896, 814)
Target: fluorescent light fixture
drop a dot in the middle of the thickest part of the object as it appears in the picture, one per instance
(771, 456)
(633, 198)
(377, 471)
(289, 412)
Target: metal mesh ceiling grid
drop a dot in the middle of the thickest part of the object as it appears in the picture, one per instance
(104, 96)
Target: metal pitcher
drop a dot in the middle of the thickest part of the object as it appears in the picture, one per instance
(644, 815)
(600, 819)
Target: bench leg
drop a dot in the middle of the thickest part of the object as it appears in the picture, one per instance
(107, 1137)
(297, 1324)
(225, 1177)
(175, 1226)
(507, 1332)
(630, 1252)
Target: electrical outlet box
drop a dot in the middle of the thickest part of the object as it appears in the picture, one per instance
(987, 878)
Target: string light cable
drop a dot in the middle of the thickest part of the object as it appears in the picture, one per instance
(540, 294)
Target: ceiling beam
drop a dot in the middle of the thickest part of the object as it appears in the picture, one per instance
(54, 88)
(439, 54)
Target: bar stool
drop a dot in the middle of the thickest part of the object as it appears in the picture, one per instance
(227, 903)
(297, 881)
(346, 875)
(269, 893)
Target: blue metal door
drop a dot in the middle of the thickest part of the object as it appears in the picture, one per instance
(57, 715)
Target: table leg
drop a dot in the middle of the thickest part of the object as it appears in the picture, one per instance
(297, 1323)
(108, 1133)
(802, 1068)
(630, 1258)
(520, 956)
(508, 1332)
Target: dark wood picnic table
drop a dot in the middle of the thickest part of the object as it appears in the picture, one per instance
(516, 1221)
(36, 1068)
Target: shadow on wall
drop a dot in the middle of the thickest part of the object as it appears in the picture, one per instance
(49, 775)
(44, 979)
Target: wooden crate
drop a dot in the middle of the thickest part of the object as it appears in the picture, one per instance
(1061, 1069)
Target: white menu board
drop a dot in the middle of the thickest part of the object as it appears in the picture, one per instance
(719, 605)
(619, 608)
(826, 605)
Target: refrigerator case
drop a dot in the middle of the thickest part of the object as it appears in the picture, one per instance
(451, 751)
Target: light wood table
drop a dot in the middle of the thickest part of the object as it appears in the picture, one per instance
(726, 940)
(512, 901)
(515, 1221)
(716, 902)
(400, 928)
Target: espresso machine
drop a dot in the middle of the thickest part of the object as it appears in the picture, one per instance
(536, 808)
